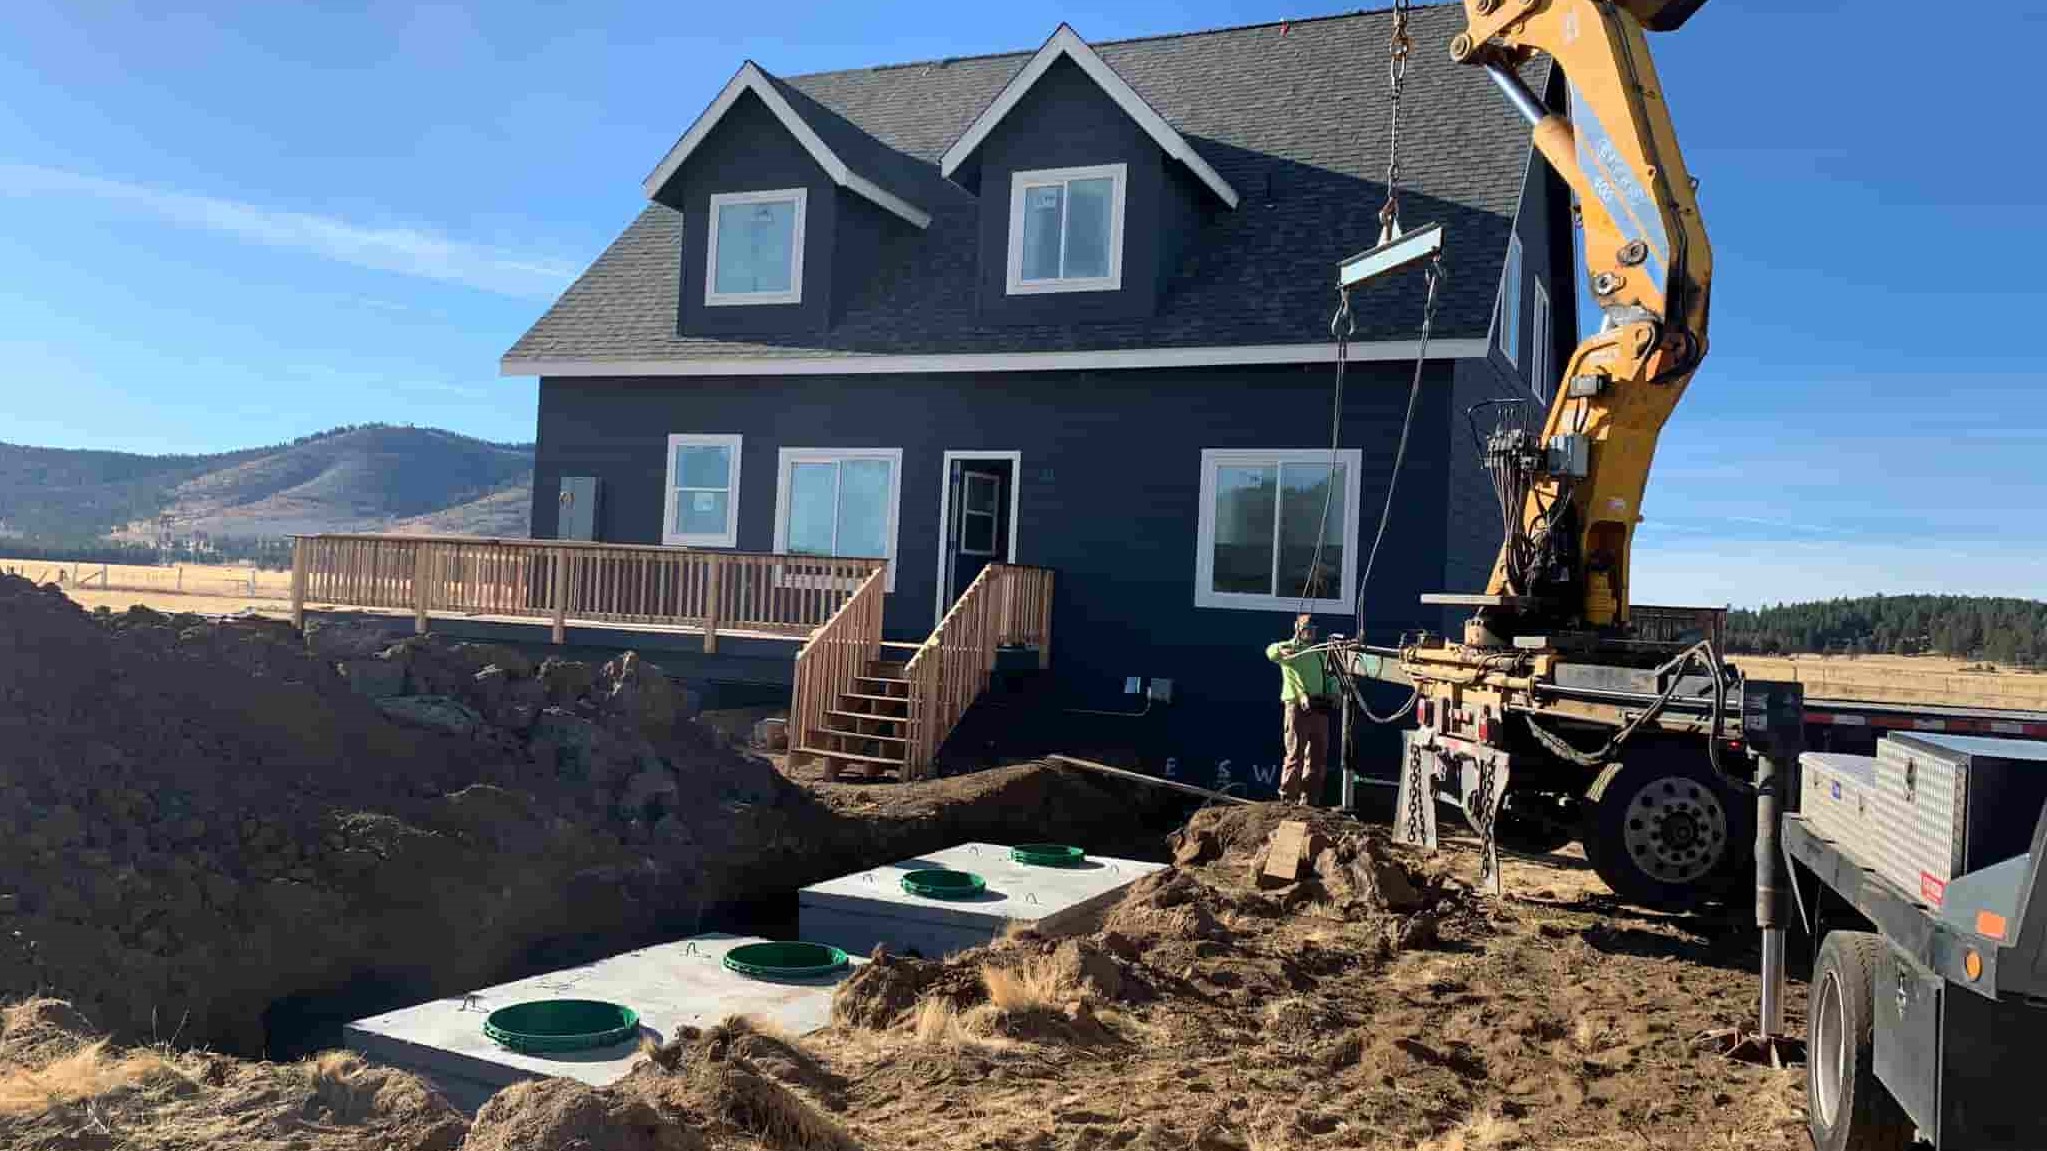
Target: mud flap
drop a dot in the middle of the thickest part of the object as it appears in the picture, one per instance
(1414, 811)
(1480, 780)
(1482, 776)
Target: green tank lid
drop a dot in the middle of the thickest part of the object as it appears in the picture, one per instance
(941, 883)
(1048, 854)
(791, 959)
(551, 1025)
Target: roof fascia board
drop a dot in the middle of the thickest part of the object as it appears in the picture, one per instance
(859, 365)
(749, 78)
(1065, 42)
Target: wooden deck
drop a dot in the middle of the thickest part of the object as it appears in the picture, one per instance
(563, 584)
(859, 701)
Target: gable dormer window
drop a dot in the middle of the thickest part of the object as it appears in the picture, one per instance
(754, 248)
(1066, 229)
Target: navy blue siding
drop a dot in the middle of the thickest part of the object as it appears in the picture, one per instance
(1067, 121)
(750, 151)
(1109, 493)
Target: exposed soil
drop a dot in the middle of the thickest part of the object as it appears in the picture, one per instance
(229, 834)
(201, 822)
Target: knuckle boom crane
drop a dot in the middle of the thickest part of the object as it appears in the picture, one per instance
(1522, 719)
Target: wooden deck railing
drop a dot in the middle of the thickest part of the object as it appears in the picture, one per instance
(559, 582)
(1006, 604)
(836, 654)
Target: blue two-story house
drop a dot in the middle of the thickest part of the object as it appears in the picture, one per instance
(1070, 308)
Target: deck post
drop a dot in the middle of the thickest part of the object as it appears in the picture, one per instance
(714, 596)
(1044, 636)
(419, 586)
(561, 597)
(299, 557)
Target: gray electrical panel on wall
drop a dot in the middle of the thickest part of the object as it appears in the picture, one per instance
(577, 517)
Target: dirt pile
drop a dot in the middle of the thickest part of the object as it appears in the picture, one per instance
(61, 1086)
(1295, 981)
(735, 1085)
(197, 819)
(201, 822)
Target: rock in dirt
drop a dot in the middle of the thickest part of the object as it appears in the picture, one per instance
(433, 712)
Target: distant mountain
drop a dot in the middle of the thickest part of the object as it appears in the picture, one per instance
(369, 478)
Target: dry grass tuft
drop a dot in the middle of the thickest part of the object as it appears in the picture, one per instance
(88, 1073)
(1036, 984)
(1485, 1130)
(938, 1024)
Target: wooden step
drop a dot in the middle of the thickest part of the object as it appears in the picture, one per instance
(862, 735)
(867, 715)
(888, 687)
(828, 755)
(846, 695)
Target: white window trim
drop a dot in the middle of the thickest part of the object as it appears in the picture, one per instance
(1020, 182)
(715, 298)
(790, 456)
(1510, 290)
(1353, 463)
(730, 536)
(1539, 369)
(1015, 458)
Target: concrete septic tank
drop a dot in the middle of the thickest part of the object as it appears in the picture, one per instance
(857, 911)
(668, 985)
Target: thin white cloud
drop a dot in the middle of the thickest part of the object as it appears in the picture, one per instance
(405, 251)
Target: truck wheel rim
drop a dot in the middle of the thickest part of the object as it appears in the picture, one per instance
(1676, 829)
(1829, 1054)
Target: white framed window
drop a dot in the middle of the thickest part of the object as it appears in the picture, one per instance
(840, 502)
(1507, 315)
(753, 247)
(1256, 541)
(1066, 229)
(702, 509)
(1539, 378)
(980, 512)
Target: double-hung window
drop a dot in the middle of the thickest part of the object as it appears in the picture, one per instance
(1508, 320)
(1540, 381)
(839, 502)
(753, 252)
(703, 491)
(1066, 229)
(1277, 529)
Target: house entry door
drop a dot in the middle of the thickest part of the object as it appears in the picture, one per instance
(977, 526)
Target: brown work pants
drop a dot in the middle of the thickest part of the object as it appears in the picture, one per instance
(1307, 754)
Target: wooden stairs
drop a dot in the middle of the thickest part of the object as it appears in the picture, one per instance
(867, 732)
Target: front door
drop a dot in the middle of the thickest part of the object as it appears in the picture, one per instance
(977, 525)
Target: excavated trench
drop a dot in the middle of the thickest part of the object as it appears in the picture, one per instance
(240, 836)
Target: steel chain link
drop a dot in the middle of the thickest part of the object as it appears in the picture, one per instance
(1399, 47)
(1416, 817)
(1488, 858)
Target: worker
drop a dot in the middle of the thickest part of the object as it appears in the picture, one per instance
(1304, 693)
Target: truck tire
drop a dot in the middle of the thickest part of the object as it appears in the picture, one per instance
(1663, 831)
(1846, 1108)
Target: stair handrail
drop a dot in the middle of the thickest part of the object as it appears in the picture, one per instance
(835, 654)
(1005, 604)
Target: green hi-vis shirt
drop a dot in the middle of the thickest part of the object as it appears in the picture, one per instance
(1300, 676)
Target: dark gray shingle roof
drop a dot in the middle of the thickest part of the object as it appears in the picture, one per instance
(1294, 116)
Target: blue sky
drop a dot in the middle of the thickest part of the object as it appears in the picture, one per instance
(232, 226)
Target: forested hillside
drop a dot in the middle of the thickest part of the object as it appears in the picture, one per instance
(2012, 631)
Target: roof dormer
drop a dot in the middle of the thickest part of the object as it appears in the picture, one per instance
(1066, 44)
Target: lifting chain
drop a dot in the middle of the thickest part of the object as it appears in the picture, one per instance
(1398, 48)
(1416, 819)
(1488, 851)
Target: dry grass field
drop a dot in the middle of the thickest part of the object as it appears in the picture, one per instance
(206, 589)
(1929, 679)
